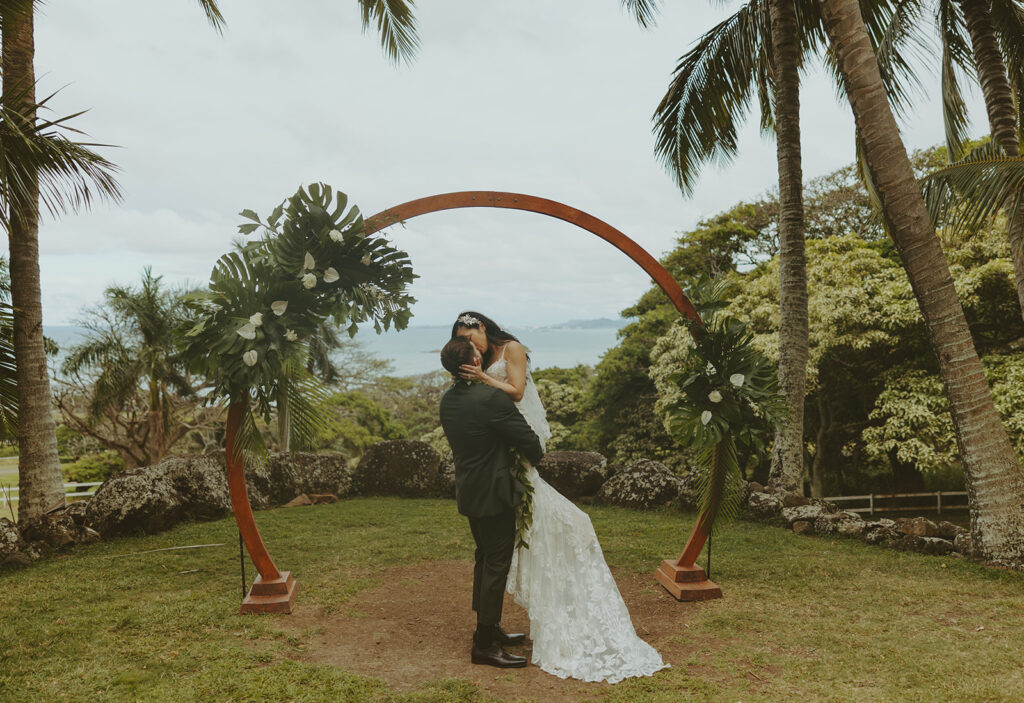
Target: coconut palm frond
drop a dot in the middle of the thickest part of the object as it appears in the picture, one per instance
(957, 61)
(866, 179)
(213, 15)
(116, 385)
(69, 173)
(902, 50)
(396, 25)
(721, 484)
(308, 408)
(965, 194)
(698, 119)
(643, 11)
(250, 446)
(92, 353)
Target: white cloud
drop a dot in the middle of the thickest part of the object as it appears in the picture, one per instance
(550, 99)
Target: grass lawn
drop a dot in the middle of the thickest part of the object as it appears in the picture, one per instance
(802, 619)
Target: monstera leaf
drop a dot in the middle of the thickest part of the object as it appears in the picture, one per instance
(309, 262)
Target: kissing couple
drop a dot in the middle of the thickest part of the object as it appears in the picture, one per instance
(551, 564)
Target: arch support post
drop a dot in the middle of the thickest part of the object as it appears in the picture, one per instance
(273, 591)
(682, 577)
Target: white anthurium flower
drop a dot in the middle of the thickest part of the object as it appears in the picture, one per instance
(250, 357)
(279, 306)
(247, 331)
(705, 417)
(309, 262)
(737, 379)
(330, 275)
(711, 369)
(715, 397)
(290, 335)
(256, 319)
(335, 235)
(309, 280)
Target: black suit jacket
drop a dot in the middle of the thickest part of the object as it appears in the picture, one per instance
(482, 424)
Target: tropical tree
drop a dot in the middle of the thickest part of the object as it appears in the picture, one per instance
(52, 170)
(995, 483)
(759, 48)
(126, 385)
(38, 164)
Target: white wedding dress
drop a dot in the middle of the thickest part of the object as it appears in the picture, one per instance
(579, 624)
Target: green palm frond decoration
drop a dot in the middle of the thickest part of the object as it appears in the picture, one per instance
(308, 265)
(727, 396)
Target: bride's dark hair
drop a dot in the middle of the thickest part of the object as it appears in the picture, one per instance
(496, 336)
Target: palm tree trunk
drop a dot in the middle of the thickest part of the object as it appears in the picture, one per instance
(1002, 113)
(821, 436)
(40, 482)
(787, 468)
(995, 483)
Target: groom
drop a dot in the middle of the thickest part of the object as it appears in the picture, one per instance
(482, 424)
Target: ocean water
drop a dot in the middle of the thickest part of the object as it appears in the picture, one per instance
(417, 349)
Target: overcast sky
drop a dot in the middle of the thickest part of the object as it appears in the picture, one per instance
(547, 98)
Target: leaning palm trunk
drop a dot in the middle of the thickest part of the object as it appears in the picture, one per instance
(1002, 114)
(787, 468)
(40, 482)
(995, 483)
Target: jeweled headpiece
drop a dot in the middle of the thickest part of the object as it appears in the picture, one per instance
(468, 321)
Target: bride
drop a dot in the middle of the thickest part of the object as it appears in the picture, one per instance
(578, 621)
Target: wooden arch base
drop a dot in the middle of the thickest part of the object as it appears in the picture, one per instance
(274, 591)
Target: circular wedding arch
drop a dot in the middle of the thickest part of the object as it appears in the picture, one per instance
(274, 591)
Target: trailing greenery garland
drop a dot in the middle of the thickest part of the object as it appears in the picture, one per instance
(524, 511)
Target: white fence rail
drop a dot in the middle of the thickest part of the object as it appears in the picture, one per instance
(9, 494)
(889, 506)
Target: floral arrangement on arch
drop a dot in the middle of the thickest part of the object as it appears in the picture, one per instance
(312, 264)
(719, 394)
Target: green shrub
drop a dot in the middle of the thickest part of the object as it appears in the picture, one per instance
(93, 467)
(9, 450)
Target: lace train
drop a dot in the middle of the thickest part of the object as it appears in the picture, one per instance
(578, 621)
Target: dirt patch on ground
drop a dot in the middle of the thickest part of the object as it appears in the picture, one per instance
(418, 627)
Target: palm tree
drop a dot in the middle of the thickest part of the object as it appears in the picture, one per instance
(995, 483)
(129, 369)
(38, 163)
(40, 482)
(761, 47)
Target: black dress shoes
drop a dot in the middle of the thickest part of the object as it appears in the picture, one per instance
(496, 656)
(506, 639)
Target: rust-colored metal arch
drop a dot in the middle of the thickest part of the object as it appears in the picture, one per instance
(274, 591)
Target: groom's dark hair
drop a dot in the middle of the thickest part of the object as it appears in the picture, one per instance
(455, 353)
